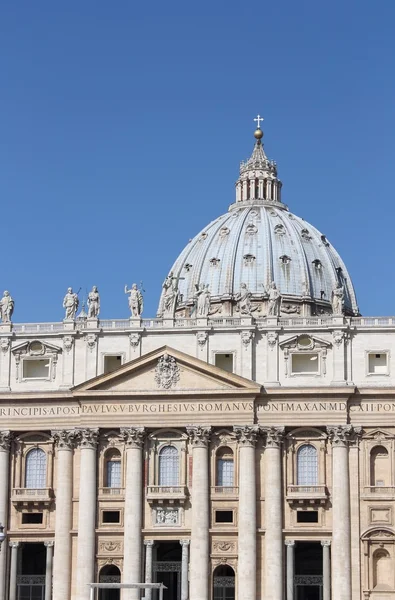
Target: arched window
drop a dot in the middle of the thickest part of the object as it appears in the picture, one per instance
(109, 574)
(379, 466)
(382, 570)
(113, 475)
(307, 465)
(223, 583)
(225, 467)
(36, 469)
(169, 466)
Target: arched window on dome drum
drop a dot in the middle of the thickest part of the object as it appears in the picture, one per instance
(113, 473)
(224, 467)
(36, 469)
(379, 466)
(307, 465)
(169, 466)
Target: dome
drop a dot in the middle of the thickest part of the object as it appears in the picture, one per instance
(258, 242)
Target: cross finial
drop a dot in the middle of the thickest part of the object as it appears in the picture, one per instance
(258, 120)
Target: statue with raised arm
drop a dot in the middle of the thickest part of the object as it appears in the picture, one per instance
(243, 299)
(6, 307)
(93, 303)
(274, 304)
(338, 299)
(136, 302)
(70, 304)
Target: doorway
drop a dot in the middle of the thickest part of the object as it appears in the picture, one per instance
(109, 574)
(31, 580)
(167, 569)
(224, 583)
(308, 571)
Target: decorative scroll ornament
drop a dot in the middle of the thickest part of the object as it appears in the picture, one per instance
(134, 339)
(274, 436)
(68, 342)
(167, 372)
(91, 340)
(133, 436)
(224, 546)
(110, 546)
(65, 438)
(272, 337)
(246, 435)
(340, 435)
(338, 336)
(5, 440)
(201, 337)
(88, 438)
(4, 344)
(199, 435)
(246, 337)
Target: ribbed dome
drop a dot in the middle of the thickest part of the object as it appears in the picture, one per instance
(257, 242)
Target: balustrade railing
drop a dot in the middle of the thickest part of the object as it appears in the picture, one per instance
(225, 490)
(385, 490)
(166, 490)
(111, 491)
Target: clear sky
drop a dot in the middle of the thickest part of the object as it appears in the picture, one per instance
(123, 124)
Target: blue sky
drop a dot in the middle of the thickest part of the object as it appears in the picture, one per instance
(122, 125)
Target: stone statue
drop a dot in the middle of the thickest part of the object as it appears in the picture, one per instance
(274, 305)
(170, 296)
(93, 303)
(6, 307)
(338, 299)
(136, 302)
(70, 303)
(243, 299)
(202, 300)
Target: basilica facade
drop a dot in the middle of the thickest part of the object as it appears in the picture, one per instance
(238, 446)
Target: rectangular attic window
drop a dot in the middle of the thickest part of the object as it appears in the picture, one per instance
(225, 362)
(112, 363)
(378, 363)
(306, 363)
(36, 369)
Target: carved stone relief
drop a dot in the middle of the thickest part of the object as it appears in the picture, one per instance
(167, 372)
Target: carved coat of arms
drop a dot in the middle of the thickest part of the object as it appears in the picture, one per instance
(167, 372)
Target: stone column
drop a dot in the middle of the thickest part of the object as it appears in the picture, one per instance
(48, 570)
(199, 576)
(64, 440)
(86, 513)
(326, 570)
(184, 569)
(274, 576)
(149, 544)
(246, 570)
(13, 570)
(133, 517)
(5, 440)
(341, 529)
(290, 544)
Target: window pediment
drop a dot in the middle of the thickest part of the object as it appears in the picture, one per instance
(35, 348)
(304, 342)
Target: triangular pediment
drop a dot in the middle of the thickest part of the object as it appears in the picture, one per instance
(167, 371)
(378, 435)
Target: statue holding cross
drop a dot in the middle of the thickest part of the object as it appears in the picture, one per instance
(170, 296)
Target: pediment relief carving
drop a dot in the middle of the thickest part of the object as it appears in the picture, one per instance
(304, 342)
(383, 533)
(35, 348)
(378, 435)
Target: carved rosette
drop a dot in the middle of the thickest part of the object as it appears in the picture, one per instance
(4, 344)
(340, 435)
(68, 342)
(134, 339)
(272, 337)
(88, 438)
(274, 436)
(246, 435)
(201, 337)
(246, 337)
(5, 440)
(199, 435)
(133, 436)
(65, 439)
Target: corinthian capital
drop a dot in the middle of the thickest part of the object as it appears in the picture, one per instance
(340, 435)
(5, 440)
(274, 436)
(199, 435)
(246, 435)
(133, 436)
(65, 439)
(88, 438)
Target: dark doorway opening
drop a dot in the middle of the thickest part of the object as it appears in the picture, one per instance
(109, 574)
(167, 569)
(308, 571)
(31, 579)
(224, 583)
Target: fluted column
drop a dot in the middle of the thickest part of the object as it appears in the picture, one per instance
(246, 570)
(48, 570)
(341, 529)
(184, 569)
(5, 440)
(13, 570)
(64, 440)
(133, 519)
(326, 570)
(290, 544)
(200, 541)
(274, 576)
(86, 512)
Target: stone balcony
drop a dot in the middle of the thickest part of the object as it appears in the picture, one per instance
(111, 493)
(169, 494)
(307, 494)
(378, 492)
(224, 492)
(30, 497)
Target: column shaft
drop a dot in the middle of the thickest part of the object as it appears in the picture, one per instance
(290, 568)
(63, 522)
(48, 571)
(184, 569)
(86, 519)
(13, 570)
(149, 544)
(341, 537)
(4, 478)
(326, 571)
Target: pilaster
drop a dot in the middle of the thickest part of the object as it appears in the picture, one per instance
(5, 362)
(5, 441)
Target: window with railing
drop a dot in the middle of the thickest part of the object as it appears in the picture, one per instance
(36, 469)
(307, 465)
(224, 467)
(169, 466)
